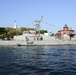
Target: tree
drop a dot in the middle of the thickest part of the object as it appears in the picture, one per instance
(43, 31)
(2, 31)
(26, 29)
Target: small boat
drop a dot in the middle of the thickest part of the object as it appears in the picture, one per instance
(29, 43)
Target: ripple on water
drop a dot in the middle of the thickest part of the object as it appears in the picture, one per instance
(38, 60)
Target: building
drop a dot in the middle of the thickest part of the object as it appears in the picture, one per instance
(66, 33)
(66, 30)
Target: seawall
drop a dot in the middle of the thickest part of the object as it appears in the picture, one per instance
(8, 43)
(45, 42)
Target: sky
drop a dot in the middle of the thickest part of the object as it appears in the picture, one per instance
(56, 13)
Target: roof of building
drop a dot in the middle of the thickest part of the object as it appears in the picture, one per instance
(65, 26)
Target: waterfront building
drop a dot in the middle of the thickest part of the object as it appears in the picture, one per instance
(66, 33)
(66, 30)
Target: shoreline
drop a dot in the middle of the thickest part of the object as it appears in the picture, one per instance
(39, 43)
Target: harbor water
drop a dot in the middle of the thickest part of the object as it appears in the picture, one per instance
(38, 60)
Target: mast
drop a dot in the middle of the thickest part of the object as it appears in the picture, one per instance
(37, 25)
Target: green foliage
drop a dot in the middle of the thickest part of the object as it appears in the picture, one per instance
(8, 29)
(2, 31)
(10, 32)
(25, 29)
(43, 31)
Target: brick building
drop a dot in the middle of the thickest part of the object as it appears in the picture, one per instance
(66, 30)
